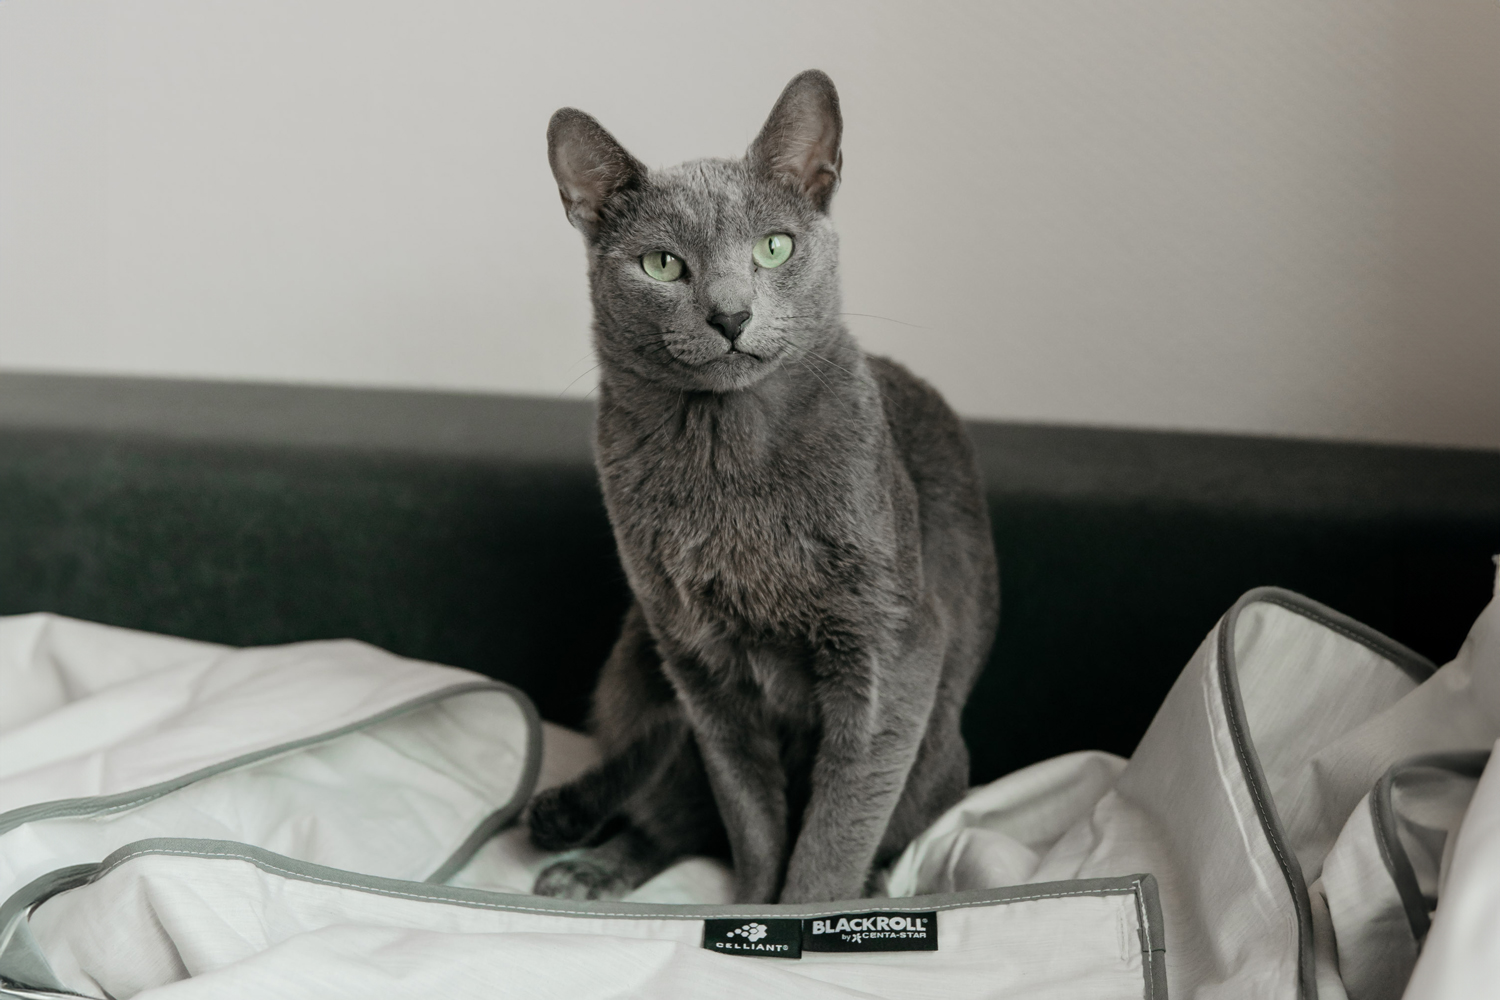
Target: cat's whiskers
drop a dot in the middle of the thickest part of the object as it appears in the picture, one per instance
(581, 360)
(662, 352)
(898, 322)
(835, 364)
(888, 319)
(831, 390)
(866, 381)
(575, 381)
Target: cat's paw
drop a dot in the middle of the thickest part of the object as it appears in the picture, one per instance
(580, 878)
(558, 820)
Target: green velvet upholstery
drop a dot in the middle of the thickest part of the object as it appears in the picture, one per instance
(468, 530)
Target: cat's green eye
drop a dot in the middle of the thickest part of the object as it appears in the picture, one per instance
(662, 266)
(773, 250)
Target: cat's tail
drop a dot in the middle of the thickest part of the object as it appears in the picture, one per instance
(579, 813)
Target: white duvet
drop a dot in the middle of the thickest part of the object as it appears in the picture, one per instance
(179, 819)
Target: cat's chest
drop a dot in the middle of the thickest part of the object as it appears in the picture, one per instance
(766, 552)
(779, 537)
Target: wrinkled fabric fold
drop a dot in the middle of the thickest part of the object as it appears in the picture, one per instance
(1306, 794)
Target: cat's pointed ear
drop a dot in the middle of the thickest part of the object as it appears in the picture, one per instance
(800, 141)
(590, 166)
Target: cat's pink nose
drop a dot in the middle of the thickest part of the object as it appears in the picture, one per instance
(729, 324)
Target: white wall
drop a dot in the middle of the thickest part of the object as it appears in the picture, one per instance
(1280, 216)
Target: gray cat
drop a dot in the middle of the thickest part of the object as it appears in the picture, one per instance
(802, 526)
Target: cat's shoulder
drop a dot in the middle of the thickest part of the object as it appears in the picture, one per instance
(913, 408)
(928, 435)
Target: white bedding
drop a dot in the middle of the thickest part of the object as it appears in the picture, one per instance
(179, 819)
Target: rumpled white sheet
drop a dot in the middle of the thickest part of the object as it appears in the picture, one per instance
(1324, 709)
(1461, 958)
(163, 919)
(1328, 716)
(331, 752)
(310, 796)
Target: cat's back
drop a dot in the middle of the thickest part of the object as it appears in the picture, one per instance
(957, 547)
(929, 437)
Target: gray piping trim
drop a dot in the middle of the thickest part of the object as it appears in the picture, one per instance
(1392, 852)
(1413, 664)
(98, 805)
(1153, 940)
(66, 878)
(12, 991)
(1416, 666)
(21, 958)
(1142, 887)
(502, 817)
(278, 864)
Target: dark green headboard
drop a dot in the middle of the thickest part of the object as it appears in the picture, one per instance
(468, 530)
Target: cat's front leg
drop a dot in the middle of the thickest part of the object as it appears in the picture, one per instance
(742, 757)
(875, 712)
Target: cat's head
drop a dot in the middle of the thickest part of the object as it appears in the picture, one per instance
(712, 274)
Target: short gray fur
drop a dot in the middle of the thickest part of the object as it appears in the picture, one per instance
(802, 527)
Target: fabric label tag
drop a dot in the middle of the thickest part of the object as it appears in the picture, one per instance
(755, 937)
(872, 932)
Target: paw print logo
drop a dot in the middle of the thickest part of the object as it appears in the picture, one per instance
(750, 932)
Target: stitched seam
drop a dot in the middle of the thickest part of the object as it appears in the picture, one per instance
(1378, 794)
(1398, 657)
(83, 809)
(1412, 664)
(1145, 940)
(1381, 842)
(1260, 806)
(299, 876)
(1241, 749)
